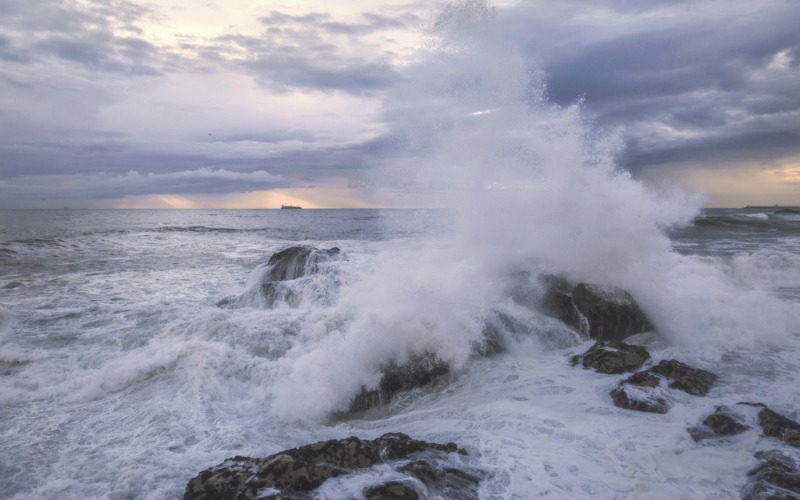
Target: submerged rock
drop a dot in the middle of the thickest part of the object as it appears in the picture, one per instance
(294, 472)
(723, 422)
(614, 357)
(694, 381)
(776, 477)
(643, 390)
(636, 398)
(420, 371)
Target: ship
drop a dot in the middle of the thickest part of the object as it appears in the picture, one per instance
(290, 207)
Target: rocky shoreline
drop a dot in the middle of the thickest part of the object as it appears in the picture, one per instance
(421, 468)
(606, 314)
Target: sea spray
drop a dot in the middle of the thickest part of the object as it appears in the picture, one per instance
(535, 189)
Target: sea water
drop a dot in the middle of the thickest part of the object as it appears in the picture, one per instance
(137, 349)
(126, 366)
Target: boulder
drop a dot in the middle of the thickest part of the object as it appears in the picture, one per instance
(420, 371)
(294, 262)
(298, 471)
(723, 422)
(448, 482)
(776, 477)
(694, 381)
(776, 425)
(643, 390)
(391, 490)
(289, 265)
(615, 357)
(639, 399)
(599, 312)
(607, 313)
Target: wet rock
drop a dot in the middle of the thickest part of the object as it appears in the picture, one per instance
(420, 371)
(694, 381)
(643, 390)
(294, 262)
(292, 473)
(776, 477)
(643, 379)
(609, 313)
(448, 482)
(639, 399)
(723, 422)
(615, 357)
(289, 265)
(597, 311)
(776, 425)
(557, 298)
(392, 490)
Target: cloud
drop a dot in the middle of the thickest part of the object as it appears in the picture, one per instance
(27, 190)
(317, 92)
(683, 79)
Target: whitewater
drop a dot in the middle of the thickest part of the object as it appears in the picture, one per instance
(137, 347)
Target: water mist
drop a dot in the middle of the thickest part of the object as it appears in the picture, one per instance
(534, 188)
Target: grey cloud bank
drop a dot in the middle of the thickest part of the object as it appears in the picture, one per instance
(92, 106)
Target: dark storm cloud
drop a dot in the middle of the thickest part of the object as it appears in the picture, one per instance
(706, 74)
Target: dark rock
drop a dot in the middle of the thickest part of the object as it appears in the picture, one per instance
(643, 379)
(448, 482)
(615, 357)
(557, 298)
(694, 381)
(392, 490)
(303, 469)
(776, 425)
(609, 313)
(294, 262)
(597, 311)
(640, 400)
(420, 371)
(288, 265)
(776, 477)
(723, 422)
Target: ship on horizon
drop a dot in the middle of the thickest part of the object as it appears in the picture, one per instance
(290, 207)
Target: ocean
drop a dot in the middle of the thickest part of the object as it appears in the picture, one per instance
(137, 347)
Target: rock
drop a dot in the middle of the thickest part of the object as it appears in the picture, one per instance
(294, 262)
(643, 379)
(609, 313)
(776, 477)
(642, 391)
(776, 425)
(723, 422)
(615, 357)
(557, 298)
(597, 311)
(420, 371)
(289, 265)
(294, 472)
(392, 490)
(694, 381)
(447, 482)
(635, 398)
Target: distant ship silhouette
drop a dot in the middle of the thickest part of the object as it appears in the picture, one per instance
(290, 207)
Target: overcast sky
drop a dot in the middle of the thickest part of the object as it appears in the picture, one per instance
(241, 103)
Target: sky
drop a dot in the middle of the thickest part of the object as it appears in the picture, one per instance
(253, 104)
